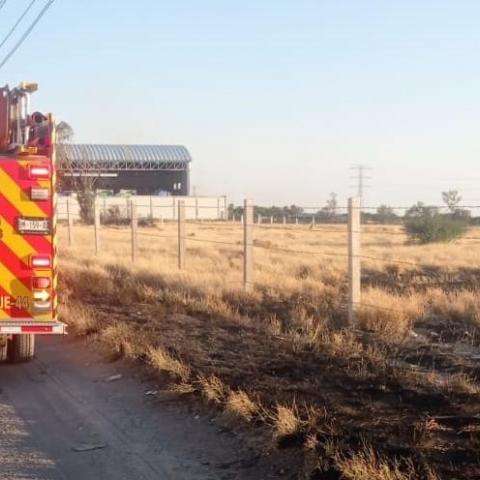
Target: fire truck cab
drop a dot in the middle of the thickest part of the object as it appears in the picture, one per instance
(27, 225)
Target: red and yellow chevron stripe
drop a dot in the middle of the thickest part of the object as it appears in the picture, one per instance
(16, 248)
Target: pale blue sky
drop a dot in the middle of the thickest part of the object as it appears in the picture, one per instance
(274, 99)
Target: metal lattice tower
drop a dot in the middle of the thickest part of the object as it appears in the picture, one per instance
(360, 177)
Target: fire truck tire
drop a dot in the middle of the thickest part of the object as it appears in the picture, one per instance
(3, 352)
(21, 348)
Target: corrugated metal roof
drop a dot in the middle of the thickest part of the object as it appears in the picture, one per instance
(95, 158)
(99, 153)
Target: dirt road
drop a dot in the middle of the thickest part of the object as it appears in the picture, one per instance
(61, 419)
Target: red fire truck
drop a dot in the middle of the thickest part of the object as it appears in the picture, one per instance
(27, 225)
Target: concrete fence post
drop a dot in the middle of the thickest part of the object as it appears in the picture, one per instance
(174, 207)
(296, 220)
(354, 266)
(219, 215)
(196, 208)
(313, 220)
(181, 235)
(134, 225)
(248, 245)
(284, 219)
(271, 220)
(259, 219)
(96, 227)
(70, 223)
(151, 207)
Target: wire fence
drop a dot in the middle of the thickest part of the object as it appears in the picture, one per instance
(242, 229)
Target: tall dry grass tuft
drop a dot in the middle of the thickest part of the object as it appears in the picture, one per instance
(213, 389)
(240, 406)
(368, 465)
(80, 318)
(163, 361)
(462, 306)
(124, 341)
(287, 422)
(390, 315)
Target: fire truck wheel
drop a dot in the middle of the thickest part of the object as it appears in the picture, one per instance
(3, 350)
(21, 348)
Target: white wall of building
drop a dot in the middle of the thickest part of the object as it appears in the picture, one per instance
(166, 208)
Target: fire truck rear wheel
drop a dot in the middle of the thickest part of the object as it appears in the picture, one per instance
(21, 348)
(3, 349)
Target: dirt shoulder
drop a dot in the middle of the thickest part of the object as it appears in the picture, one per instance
(71, 415)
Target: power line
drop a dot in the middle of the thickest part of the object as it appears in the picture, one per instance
(27, 33)
(25, 12)
(2, 3)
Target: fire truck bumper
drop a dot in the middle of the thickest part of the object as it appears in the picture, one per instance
(36, 328)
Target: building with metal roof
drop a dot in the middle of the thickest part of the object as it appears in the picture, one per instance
(146, 169)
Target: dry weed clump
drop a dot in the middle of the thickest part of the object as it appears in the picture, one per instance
(79, 317)
(213, 389)
(462, 306)
(368, 465)
(461, 383)
(444, 383)
(163, 361)
(182, 388)
(240, 406)
(123, 341)
(390, 315)
(287, 422)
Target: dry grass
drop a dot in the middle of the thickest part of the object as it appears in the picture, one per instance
(213, 389)
(164, 362)
(240, 406)
(79, 317)
(122, 340)
(391, 315)
(287, 421)
(284, 342)
(367, 465)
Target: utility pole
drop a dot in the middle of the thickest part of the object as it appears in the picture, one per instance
(360, 177)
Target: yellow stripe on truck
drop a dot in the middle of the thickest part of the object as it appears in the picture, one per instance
(16, 196)
(14, 287)
(16, 243)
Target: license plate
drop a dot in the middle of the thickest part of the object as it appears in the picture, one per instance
(36, 226)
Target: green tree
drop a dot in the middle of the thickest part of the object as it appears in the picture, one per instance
(424, 224)
(451, 198)
(386, 214)
(329, 211)
(82, 182)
